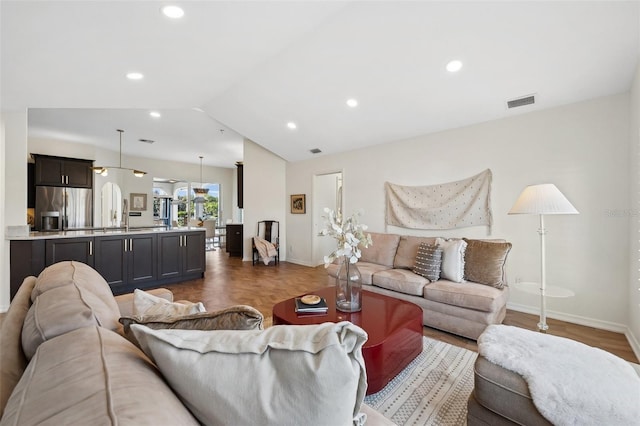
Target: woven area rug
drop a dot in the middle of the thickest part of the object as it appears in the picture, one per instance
(432, 390)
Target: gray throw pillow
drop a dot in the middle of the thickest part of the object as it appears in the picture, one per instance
(239, 317)
(428, 261)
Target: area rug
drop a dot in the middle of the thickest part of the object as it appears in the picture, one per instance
(432, 390)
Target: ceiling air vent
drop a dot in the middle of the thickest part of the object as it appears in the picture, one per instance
(526, 100)
(149, 141)
(315, 151)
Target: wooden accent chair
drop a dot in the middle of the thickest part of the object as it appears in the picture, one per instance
(268, 230)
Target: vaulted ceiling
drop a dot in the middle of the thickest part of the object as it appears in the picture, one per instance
(249, 68)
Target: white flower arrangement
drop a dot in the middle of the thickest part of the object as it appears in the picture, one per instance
(349, 235)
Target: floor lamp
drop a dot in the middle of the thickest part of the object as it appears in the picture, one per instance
(541, 200)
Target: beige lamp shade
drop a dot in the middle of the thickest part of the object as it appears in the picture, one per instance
(545, 198)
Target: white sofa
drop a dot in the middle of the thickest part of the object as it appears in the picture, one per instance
(464, 308)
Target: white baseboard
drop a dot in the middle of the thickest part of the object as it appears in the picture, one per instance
(300, 262)
(575, 319)
(635, 346)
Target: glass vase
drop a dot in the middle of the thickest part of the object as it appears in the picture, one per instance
(348, 287)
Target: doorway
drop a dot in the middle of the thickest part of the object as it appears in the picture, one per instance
(327, 192)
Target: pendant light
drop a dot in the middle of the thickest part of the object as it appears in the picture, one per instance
(104, 170)
(202, 191)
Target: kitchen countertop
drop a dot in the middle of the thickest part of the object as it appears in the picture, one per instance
(98, 232)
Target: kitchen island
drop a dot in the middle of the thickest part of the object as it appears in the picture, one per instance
(139, 257)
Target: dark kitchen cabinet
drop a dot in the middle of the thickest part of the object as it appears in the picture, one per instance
(240, 183)
(181, 254)
(26, 258)
(234, 239)
(60, 249)
(126, 261)
(60, 171)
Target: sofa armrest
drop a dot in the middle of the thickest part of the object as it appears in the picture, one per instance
(125, 301)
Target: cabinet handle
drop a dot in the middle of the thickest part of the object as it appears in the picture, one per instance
(130, 244)
(125, 245)
(62, 177)
(67, 179)
(90, 248)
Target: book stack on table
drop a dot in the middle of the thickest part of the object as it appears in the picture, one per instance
(311, 308)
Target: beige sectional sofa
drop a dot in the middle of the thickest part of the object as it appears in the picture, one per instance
(464, 308)
(64, 359)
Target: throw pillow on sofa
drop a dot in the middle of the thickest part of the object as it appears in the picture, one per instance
(484, 262)
(428, 261)
(452, 259)
(282, 375)
(146, 304)
(238, 317)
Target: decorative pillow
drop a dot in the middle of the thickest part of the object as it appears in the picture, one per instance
(238, 317)
(428, 261)
(484, 262)
(283, 375)
(452, 268)
(146, 304)
(407, 249)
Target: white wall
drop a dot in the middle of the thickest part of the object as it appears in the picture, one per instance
(264, 194)
(582, 148)
(634, 216)
(14, 185)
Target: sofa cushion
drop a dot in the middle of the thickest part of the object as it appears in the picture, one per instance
(428, 261)
(452, 259)
(467, 295)
(238, 317)
(401, 280)
(147, 304)
(12, 359)
(67, 296)
(367, 270)
(408, 249)
(289, 374)
(93, 376)
(484, 262)
(382, 251)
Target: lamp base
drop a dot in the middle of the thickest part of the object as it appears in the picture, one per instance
(542, 327)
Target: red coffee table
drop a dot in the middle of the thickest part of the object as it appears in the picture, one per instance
(394, 328)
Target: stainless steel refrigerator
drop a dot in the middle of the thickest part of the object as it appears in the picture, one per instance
(60, 208)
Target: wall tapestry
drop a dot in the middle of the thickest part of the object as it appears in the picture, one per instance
(444, 206)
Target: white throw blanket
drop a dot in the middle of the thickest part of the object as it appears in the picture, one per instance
(570, 383)
(266, 249)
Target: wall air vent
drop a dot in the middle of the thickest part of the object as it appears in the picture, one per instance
(149, 141)
(525, 100)
(315, 151)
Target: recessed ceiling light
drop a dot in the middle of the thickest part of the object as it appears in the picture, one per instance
(454, 66)
(155, 114)
(135, 76)
(352, 102)
(173, 12)
(292, 125)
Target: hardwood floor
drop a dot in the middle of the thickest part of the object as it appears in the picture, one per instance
(229, 281)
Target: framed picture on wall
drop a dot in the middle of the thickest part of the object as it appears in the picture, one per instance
(298, 204)
(138, 202)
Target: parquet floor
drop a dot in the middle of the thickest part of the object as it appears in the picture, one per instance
(229, 281)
